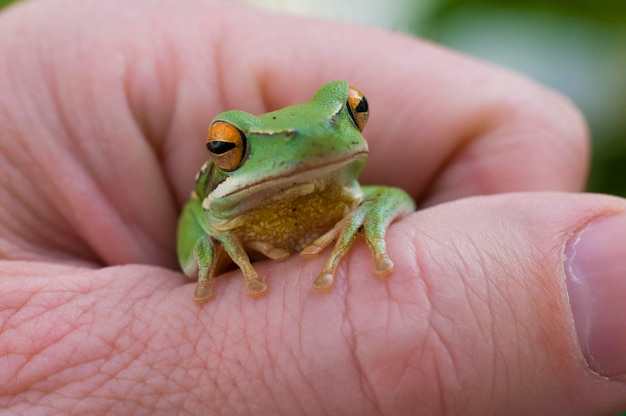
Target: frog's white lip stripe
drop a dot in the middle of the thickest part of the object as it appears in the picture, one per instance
(230, 188)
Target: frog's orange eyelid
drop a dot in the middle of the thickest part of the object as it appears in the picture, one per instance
(358, 107)
(226, 145)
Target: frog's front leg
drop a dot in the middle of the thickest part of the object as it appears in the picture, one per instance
(388, 205)
(206, 254)
(381, 206)
(255, 286)
(198, 254)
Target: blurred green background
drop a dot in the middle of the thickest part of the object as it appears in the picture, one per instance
(575, 46)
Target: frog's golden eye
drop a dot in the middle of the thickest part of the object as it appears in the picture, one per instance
(226, 145)
(358, 107)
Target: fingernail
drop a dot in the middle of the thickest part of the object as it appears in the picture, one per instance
(595, 267)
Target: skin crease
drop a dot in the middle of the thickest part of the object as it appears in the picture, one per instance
(104, 110)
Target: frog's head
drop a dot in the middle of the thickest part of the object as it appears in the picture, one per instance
(319, 141)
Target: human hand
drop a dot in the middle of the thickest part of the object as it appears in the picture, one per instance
(104, 109)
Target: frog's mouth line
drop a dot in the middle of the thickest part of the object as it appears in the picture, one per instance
(229, 189)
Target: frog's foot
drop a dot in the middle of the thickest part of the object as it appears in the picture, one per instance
(256, 287)
(382, 263)
(345, 232)
(268, 250)
(384, 205)
(324, 282)
(203, 292)
(381, 206)
(323, 241)
(207, 258)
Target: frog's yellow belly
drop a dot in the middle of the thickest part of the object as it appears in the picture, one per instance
(294, 223)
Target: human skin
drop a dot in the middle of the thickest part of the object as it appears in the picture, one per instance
(102, 117)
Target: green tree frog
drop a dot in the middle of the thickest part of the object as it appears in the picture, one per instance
(286, 182)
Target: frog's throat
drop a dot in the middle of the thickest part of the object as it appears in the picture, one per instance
(230, 193)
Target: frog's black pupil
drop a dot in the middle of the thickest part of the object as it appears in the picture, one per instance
(362, 106)
(218, 147)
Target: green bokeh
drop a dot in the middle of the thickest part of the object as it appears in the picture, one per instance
(575, 46)
(6, 2)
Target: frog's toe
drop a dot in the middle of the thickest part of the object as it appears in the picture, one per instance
(203, 292)
(278, 254)
(383, 265)
(324, 281)
(256, 287)
(311, 252)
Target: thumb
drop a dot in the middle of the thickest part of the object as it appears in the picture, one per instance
(517, 308)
